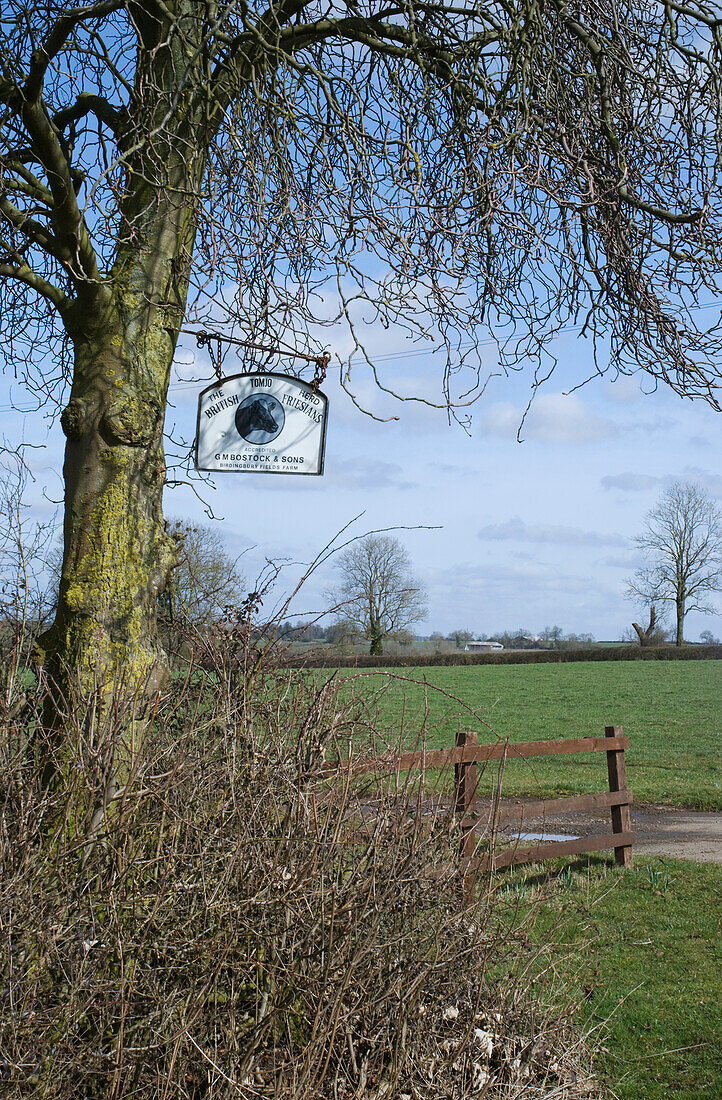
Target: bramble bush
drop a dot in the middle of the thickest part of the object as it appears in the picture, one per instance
(220, 926)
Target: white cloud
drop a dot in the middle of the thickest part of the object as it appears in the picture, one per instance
(660, 425)
(518, 531)
(629, 560)
(355, 474)
(700, 441)
(450, 470)
(553, 418)
(709, 483)
(630, 483)
(495, 596)
(625, 389)
(368, 473)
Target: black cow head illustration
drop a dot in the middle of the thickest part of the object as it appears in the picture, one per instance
(255, 417)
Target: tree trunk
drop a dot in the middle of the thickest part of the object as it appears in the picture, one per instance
(680, 622)
(645, 633)
(117, 555)
(376, 649)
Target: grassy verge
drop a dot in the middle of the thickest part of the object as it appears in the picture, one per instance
(650, 980)
(670, 710)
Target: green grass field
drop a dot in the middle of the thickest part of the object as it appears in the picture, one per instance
(671, 711)
(644, 967)
(642, 946)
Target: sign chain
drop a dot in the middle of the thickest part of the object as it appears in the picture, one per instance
(321, 366)
(209, 339)
(215, 355)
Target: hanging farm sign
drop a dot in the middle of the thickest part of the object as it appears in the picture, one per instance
(261, 423)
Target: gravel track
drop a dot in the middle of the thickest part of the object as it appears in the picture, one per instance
(659, 830)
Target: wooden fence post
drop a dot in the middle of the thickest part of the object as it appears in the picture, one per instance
(621, 817)
(465, 797)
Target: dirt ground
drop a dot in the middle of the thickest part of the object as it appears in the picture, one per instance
(659, 830)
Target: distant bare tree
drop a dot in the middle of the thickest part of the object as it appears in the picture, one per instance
(206, 582)
(460, 638)
(207, 579)
(25, 602)
(378, 594)
(644, 633)
(682, 539)
(652, 634)
(551, 636)
(342, 633)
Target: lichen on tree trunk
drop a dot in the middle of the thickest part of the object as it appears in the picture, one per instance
(117, 554)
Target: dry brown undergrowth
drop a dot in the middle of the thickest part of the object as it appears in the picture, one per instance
(216, 934)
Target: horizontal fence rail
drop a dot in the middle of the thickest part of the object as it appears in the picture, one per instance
(575, 803)
(467, 754)
(538, 852)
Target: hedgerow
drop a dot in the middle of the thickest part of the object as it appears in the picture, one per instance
(229, 923)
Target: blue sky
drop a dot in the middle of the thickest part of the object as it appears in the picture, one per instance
(529, 534)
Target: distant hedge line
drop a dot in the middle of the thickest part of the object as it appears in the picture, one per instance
(521, 657)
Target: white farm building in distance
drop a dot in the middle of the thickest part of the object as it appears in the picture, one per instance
(483, 647)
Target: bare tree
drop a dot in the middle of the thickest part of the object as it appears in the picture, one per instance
(682, 540)
(644, 633)
(205, 584)
(651, 635)
(25, 605)
(207, 580)
(378, 594)
(448, 169)
(552, 636)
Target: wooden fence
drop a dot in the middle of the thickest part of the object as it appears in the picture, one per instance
(468, 754)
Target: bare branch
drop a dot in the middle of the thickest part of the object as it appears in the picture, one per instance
(24, 274)
(30, 228)
(27, 183)
(57, 39)
(87, 104)
(75, 240)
